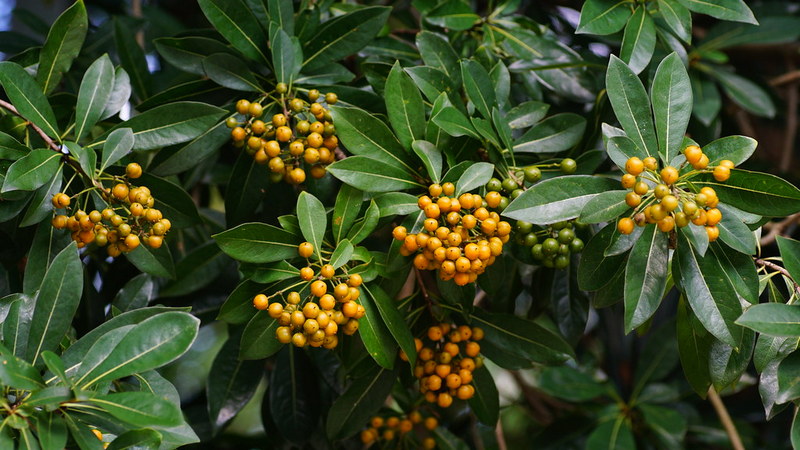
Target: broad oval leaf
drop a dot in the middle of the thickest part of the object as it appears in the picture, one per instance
(369, 175)
(64, 42)
(238, 25)
(604, 207)
(645, 277)
(431, 157)
(552, 135)
(231, 72)
(631, 105)
(230, 383)
(603, 17)
(755, 192)
(478, 87)
(736, 149)
(365, 135)
(313, 220)
(474, 176)
(95, 90)
(557, 199)
(257, 243)
(140, 409)
(28, 98)
(639, 40)
(404, 107)
(360, 401)
(32, 170)
(117, 146)
(671, 95)
(344, 35)
(774, 319)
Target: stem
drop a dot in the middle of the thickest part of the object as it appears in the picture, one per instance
(725, 418)
(784, 272)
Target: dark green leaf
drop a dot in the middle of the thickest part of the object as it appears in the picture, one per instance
(431, 157)
(132, 59)
(631, 105)
(668, 424)
(17, 323)
(605, 207)
(454, 15)
(394, 321)
(120, 94)
(64, 42)
(639, 40)
(257, 243)
(755, 192)
(726, 364)
(734, 10)
(313, 220)
(526, 114)
(364, 134)
(136, 439)
(396, 204)
(342, 254)
(374, 333)
(737, 149)
(437, 52)
(612, 434)
(136, 293)
(476, 175)
(369, 175)
(156, 262)
(678, 18)
(707, 101)
(230, 72)
(557, 199)
(294, 395)
(47, 243)
(694, 346)
(51, 431)
(259, 340)
(188, 53)
(570, 384)
(344, 35)
(603, 16)
(199, 268)
(554, 134)
(32, 170)
(478, 87)
(190, 155)
(18, 373)
(235, 23)
(360, 401)
(453, 121)
(774, 319)
(404, 107)
(282, 13)
(672, 105)
(245, 189)
(286, 58)
(486, 401)
(140, 409)
(230, 383)
(95, 90)
(117, 146)
(790, 253)
(745, 93)
(645, 277)
(345, 210)
(596, 270)
(621, 148)
(26, 95)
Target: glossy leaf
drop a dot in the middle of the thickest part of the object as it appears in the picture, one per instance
(26, 95)
(394, 321)
(755, 192)
(293, 395)
(604, 207)
(736, 149)
(555, 134)
(140, 409)
(672, 105)
(230, 383)
(257, 243)
(645, 277)
(235, 23)
(188, 52)
(286, 60)
(313, 220)
(631, 105)
(475, 175)
(344, 35)
(95, 90)
(596, 269)
(437, 52)
(745, 93)
(117, 146)
(156, 262)
(231, 72)
(677, 17)
(603, 17)
(639, 40)
(64, 42)
(132, 59)
(345, 210)
(452, 14)
(378, 340)
(120, 94)
(431, 157)
(363, 227)
(557, 199)
(369, 175)
(616, 434)
(359, 402)
(478, 87)
(258, 339)
(404, 107)
(363, 134)
(734, 10)
(774, 319)
(134, 439)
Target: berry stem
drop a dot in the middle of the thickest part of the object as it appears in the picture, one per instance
(781, 270)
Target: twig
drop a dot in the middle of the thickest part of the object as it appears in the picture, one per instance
(725, 418)
(744, 122)
(779, 269)
(791, 120)
(776, 228)
(421, 285)
(785, 78)
(500, 436)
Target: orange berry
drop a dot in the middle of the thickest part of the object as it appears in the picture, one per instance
(634, 166)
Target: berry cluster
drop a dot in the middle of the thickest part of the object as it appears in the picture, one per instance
(385, 430)
(461, 237)
(315, 320)
(301, 137)
(444, 366)
(129, 220)
(670, 203)
(513, 186)
(551, 245)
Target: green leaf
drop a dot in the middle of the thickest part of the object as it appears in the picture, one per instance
(745, 93)
(570, 384)
(18, 373)
(790, 253)
(486, 401)
(454, 15)
(17, 323)
(230, 383)
(41, 205)
(678, 18)
(136, 293)
(172, 200)
(431, 157)
(734, 232)
(621, 148)
(26, 95)
(132, 59)
(313, 220)
(231, 72)
(294, 395)
(645, 277)
(555, 134)
(733, 10)
(258, 339)
(199, 268)
(140, 409)
(57, 302)
(168, 124)
(345, 210)
(343, 254)
(737, 149)
(365, 135)
(136, 439)
(755, 192)
(245, 189)
(596, 269)
(707, 101)
(360, 401)
(726, 364)
(120, 94)
(605, 207)
(404, 107)
(710, 294)
(50, 397)
(64, 42)
(639, 40)
(672, 105)
(369, 175)
(87, 158)
(431, 81)
(526, 114)
(192, 154)
(454, 122)
(51, 431)
(363, 227)
(282, 13)
(235, 23)
(612, 434)
(476, 175)
(377, 338)
(344, 35)
(188, 53)
(668, 425)
(478, 87)
(396, 204)
(95, 90)
(603, 16)
(437, 52)
(557, 199)
(789, 378)
(149, 344)
(631, 105)
(394, 321)
(446, 440)
(286, 60)
(156, 262)
(694, 346)
(117, 146)
(257, 243)
(10, 148)
(521, 338)
(774, 319)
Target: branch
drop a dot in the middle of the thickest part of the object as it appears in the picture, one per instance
(776, 228)
(785, 78)
(725, 418)
(779, 269)
(791, 120)
(4, 104)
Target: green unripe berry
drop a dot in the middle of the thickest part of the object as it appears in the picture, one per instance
(561, 262)
(281, 88)
(530, 239)
(537, 251)
(576, 246)
(524, 227)
(550, 246)
(566, 235)
(532, 174)
(509, 185)
(494, 185)
(568, 165)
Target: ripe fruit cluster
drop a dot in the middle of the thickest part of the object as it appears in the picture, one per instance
(129, 220)
(672, 202)
(386, 430)
(329, 306)
(300, 138)
(444, 365)
(460, 237)
(551, 245)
